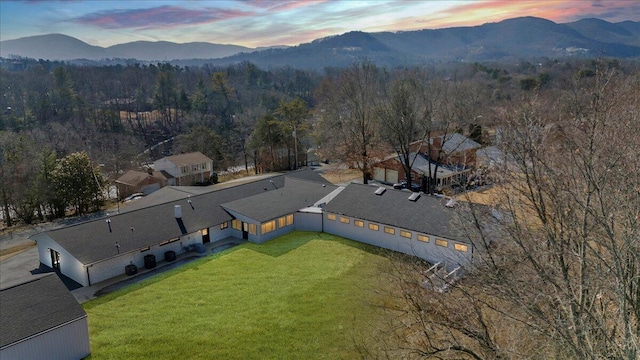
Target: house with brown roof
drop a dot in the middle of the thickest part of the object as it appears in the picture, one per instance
(137, 181)
(185, 169)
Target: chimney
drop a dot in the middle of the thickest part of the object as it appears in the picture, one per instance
(177, 210)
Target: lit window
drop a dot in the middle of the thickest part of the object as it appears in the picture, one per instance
(344, 220)
(290, 219)
(358, 223)
(268, 227)
(374, 227)
(236, 224)
(224, 225)
(389, 230)
(406, 234)
(282, 222)
(331, 216)
(424, 238)
(253, 229)
(461, 247)
(205, 232)
(168, 241)
(145, 249)
(443, 243)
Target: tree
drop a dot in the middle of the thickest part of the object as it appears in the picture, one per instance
(559, 276)
(406, 117)
(349, 125)
(76, 182)
(293, 115)
(268, 134)
(206, 141)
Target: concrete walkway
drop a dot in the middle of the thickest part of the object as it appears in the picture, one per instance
(87, 293)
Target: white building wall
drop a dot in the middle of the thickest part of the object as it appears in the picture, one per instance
(425, 250)
(69, 265)
(68, 341)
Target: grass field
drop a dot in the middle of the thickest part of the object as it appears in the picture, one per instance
(301, 296)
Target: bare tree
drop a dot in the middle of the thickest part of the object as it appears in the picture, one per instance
(561, 277)
(348, 120)
(406, 117)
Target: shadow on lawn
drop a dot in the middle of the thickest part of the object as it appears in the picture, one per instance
(293, 240)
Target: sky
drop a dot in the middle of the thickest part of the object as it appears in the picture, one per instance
(255, 23)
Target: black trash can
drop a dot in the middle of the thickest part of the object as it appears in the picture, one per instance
(149, 261)
(169, 256)
(131, 269)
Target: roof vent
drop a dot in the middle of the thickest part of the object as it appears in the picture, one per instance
(177, 210)
(414, 197)
(380, 190)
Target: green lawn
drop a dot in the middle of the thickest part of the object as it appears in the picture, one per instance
(301, 296)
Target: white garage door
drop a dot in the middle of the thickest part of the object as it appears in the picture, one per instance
(392, 176)
(378, 174)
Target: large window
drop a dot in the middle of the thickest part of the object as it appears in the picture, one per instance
(443, 243)
(424, 238)
(344, 220)
(236, 224)
(461, 247)
(374, 227)
(389, 230)
(406, 234)
(253, 229)
(358, 223)
(331, 216)
(290, 219)
(268, 227)
(282, 222)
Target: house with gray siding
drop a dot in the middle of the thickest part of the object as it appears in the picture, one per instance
(40, 319)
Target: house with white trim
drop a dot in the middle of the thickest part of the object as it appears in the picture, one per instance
(258, 211)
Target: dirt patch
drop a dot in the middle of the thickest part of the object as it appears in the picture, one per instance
(7, 253)
(338, 176)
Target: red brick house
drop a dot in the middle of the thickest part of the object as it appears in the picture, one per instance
(136, 181)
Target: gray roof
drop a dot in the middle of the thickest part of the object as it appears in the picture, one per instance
(427, 215)
(91, 241)
(36, 306)
(295, 195)
(457, 142)
(421, 165)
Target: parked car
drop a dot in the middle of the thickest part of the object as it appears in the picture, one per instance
(402, 184)
(132, 197)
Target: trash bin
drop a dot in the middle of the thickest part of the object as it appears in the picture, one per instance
(149, 261)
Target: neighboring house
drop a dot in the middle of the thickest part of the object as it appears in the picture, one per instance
(185, 169)
(390, 171)
(258, 211)
(454, 149)
(135, 181)
(40, 319)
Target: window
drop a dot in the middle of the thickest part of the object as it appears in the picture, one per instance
(184, 169)
(268, 227)
(461, 247)
(282, 222)
(145, 249)
(205, 232)
(358, 223)
(424, 238)
(236, 224)
(406, 234)
(331, 216)
(443, 243)
(389, 230)
(204, 166)
(344, 220)
(224, 225)
(290, 219)
(253, 229)
(374, 227)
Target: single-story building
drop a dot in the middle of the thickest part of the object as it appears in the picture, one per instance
(135, 181)
(390, 171)
(40, 319)
(258, 211)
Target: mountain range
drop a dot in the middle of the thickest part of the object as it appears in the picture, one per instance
(525, 37)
